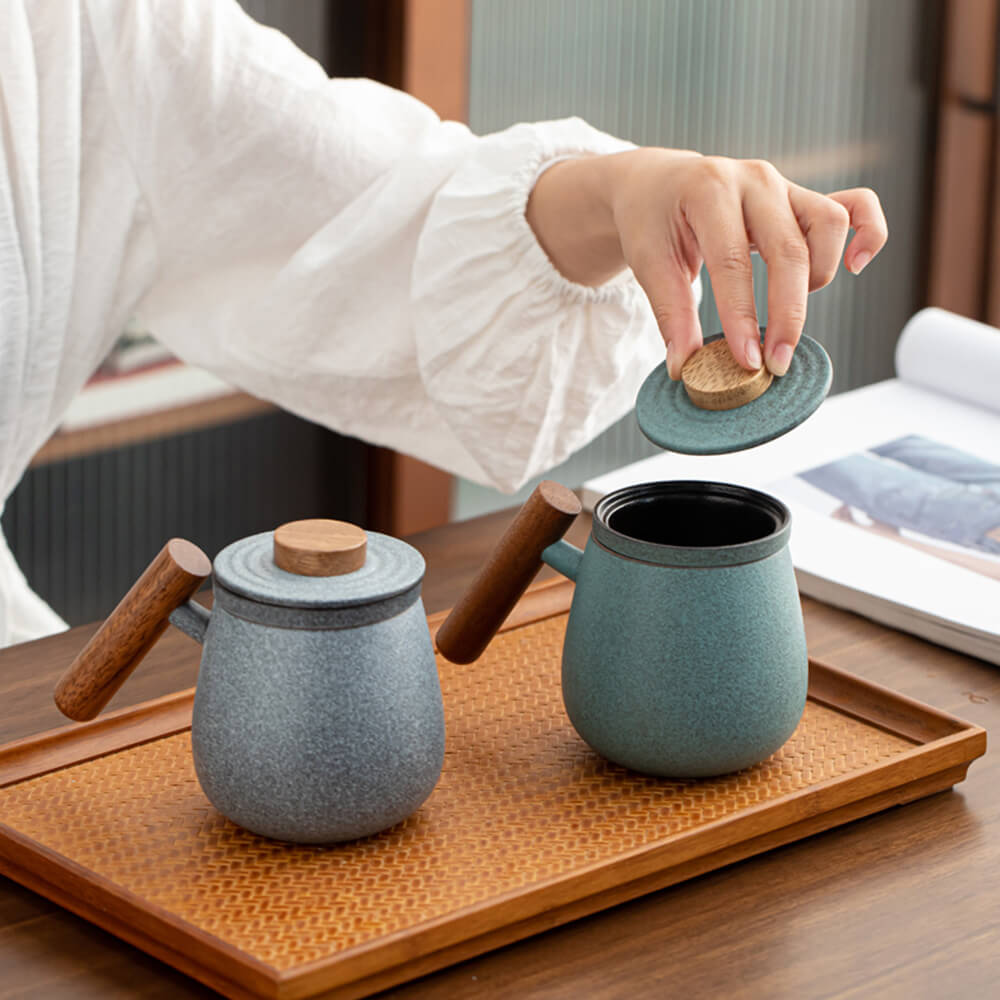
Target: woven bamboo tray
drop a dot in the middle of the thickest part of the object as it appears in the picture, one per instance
(527, 829)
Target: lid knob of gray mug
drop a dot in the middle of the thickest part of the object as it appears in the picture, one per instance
(319, 547)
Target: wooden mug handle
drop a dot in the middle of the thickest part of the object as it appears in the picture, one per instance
(543, 520)
(131, 629)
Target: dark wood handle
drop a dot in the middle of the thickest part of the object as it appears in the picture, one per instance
(544, 519)
(131, 630)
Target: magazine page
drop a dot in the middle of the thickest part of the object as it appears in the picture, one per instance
(912, 521)
(952, 355)
(844, 423)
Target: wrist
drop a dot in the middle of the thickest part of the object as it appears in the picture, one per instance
(570, 211)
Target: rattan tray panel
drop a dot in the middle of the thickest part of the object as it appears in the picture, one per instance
(523, 807)
(522, 799)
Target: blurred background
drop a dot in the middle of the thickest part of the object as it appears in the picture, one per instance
(897, 95)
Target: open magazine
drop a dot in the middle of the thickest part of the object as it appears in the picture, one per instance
(894, 488)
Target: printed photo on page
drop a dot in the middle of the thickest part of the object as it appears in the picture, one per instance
(915, 491)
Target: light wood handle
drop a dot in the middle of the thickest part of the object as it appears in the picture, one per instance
(715, 380)
(544, 519)
(131, 629)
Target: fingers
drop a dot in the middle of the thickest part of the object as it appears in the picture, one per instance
(777, 233)
(824, 224)
(714, 210)
(717, 221)
(868, 221)
(667, 285)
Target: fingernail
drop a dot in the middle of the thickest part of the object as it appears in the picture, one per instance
(754, 359)
(860, 262)
(780, 359)
(674, 367)
(669, 359)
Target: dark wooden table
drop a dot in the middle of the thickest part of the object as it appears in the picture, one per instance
(903, 904)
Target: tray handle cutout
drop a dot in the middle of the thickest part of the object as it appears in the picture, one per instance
(130, 631)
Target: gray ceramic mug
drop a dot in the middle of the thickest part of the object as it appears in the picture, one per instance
(685, 652)
(318, 714)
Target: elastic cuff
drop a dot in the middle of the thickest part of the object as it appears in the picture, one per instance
(622, 286)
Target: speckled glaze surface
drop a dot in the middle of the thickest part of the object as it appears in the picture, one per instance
(318, 735)
(670, 420)
(318, 714)
(247, 568)
(690, 662)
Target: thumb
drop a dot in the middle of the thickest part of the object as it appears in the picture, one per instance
(672, 299)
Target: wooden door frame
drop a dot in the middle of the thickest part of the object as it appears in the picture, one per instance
(965, 226)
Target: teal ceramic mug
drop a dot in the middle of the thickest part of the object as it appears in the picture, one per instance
(685, 652)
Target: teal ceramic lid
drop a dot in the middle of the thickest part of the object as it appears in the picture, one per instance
(390, 568)
(669, 419)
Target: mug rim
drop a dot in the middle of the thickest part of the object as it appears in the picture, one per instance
(682, 555)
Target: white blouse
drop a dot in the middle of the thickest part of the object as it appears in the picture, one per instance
(329, 245)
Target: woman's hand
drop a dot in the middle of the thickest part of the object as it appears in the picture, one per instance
(664, 212)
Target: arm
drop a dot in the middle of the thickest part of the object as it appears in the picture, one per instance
(332, 246)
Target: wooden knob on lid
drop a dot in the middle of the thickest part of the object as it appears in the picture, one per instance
(319, 547)
(715, 380)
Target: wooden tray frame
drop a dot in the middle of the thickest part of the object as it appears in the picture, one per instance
(945, 746)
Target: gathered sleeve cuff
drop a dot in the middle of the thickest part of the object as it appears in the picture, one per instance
(335, 248)
(523, 365)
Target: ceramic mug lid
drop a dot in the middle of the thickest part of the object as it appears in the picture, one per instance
(335, 565)
(669, 418)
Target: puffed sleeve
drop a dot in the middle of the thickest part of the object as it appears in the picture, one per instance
(332, 246)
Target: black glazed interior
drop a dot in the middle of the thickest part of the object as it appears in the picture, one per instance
(692, 514)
